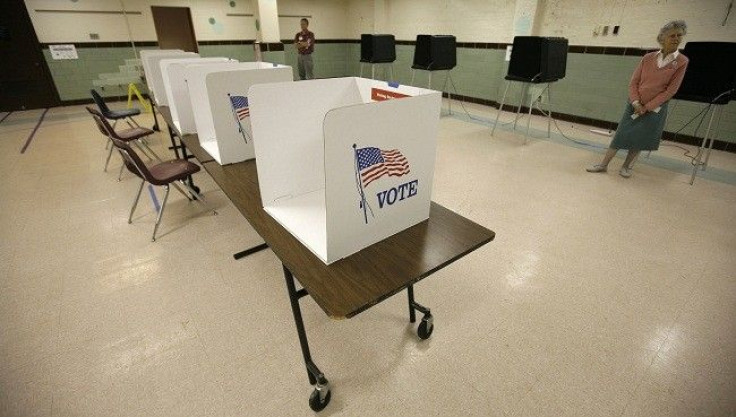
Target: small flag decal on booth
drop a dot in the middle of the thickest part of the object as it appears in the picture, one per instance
(239, 106)
(373, 163)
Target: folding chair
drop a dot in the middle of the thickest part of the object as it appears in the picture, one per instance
(115, 115)
(134, 134)
(162, 174)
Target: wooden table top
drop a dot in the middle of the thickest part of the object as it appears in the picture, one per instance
(353, 284)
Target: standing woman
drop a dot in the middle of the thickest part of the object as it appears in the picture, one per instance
(655, 81)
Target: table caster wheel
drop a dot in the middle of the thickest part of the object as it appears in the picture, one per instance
(426, 327)
(319, 399)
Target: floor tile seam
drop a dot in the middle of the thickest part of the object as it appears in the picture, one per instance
(647, 372)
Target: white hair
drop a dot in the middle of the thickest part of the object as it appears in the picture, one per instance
(672, 25)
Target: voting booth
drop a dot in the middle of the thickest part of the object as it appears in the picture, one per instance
(177, 92)
(218, 94)
(147, 54)
(154, 78)
(162, 81)
(344, 163)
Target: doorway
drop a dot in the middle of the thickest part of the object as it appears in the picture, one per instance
(25, 79)
(174, 28)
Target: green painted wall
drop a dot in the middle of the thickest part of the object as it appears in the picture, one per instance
(595, 85)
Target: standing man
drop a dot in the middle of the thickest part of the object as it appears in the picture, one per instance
(304, 42)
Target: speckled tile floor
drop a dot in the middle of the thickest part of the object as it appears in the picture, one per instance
(600, 296)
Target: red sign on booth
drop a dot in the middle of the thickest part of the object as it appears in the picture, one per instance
(378, 94)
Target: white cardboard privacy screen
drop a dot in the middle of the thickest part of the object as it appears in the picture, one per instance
(308, 173)
(177, 92)
(219, 97)
(146, 56)
(154, 77)
(162, 87)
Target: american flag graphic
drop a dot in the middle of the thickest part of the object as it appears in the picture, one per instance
(240, 105)
(374, 163)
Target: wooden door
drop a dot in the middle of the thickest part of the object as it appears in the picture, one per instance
(174, 28)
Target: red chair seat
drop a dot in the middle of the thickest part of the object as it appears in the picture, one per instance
(170, 171)
(134, 133)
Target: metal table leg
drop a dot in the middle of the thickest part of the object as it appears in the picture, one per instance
(155, 119)
(250, 251)
(321, 395)
(427, 325)
(176, 147)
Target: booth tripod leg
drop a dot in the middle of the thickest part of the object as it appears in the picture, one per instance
(427, 325)
(522, 93)
(713, 137)
(500, 107)
(320, 397)
(698, 158)
(449, 96)
(549, 111)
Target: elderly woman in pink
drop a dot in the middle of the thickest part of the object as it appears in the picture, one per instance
(655, 81)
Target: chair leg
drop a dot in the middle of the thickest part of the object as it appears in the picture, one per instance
(135, 202)
(198, 197)
(109, 154)
(178, 188)
(147, 150)
(145, 144)
(120, 174)
(160, 213)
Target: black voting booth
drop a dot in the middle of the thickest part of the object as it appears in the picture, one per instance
(377, 50)
(535, 60)
(709, 79)
(435, 53)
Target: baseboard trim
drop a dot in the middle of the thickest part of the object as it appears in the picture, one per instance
(603, 124)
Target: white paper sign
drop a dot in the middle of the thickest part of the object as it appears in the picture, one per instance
(63, 51)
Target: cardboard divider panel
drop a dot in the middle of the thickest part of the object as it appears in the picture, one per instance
(344, 163)
(177, 92)
(219, 99)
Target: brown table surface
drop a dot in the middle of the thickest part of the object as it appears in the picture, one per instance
(353, 284)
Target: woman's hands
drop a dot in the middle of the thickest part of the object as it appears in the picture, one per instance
(639, 109)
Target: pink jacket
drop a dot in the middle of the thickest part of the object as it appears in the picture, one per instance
(653, 86)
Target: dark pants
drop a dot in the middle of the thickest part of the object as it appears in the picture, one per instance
(305, 66)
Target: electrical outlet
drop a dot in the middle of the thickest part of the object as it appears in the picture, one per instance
(94, 36)
(615, 29)
(605, 30)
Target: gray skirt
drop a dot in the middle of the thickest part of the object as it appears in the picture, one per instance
(642, 134)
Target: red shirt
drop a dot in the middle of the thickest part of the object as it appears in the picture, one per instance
(652, 85)
(305, 37)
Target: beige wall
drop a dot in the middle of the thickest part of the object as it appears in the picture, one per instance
(328, 19)
(640, 20)
(469, 20)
